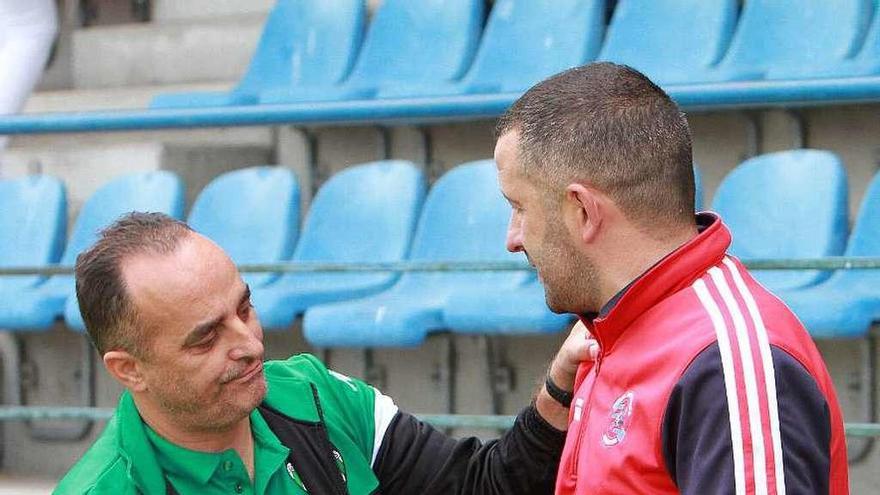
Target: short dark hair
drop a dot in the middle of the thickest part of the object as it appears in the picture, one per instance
(109, 313)
(610, 126)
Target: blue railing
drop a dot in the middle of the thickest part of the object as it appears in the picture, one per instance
(715, 96)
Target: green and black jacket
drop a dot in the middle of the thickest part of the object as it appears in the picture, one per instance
(345, 437)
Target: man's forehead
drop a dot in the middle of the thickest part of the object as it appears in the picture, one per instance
(510, 173)
(177, 274)
(507, 149)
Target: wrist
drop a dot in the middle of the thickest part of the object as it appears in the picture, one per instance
(560, 393)
(563, 376)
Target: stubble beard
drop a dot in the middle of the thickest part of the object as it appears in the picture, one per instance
(570, 280)
(209, 412)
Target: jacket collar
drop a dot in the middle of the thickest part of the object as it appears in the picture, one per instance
(677, 270)
(134, 446)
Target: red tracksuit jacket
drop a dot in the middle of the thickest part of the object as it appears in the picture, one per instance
(705, 384)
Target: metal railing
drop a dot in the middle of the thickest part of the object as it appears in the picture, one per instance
(474, 421)
(421, 111)
(828, 263)
(868, 431)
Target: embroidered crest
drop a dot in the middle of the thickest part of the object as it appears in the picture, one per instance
(340, 463)
(621, 412)
(295, 476)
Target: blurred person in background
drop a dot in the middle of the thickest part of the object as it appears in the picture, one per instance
(27, 31)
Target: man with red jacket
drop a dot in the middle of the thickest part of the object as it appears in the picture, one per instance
(704, 383)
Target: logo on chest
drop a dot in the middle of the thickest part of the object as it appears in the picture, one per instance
(621, 414)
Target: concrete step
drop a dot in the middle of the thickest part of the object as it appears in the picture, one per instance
(85, 167)
(214, 50)
(193, 10)
(124, 98)
(85, 100)
(15, 485)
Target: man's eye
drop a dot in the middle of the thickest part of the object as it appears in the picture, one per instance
(245, 311)
(205, 342)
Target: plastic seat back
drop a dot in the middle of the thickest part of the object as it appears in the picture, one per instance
(253, 214)
(671, 41)
(305, 42)
(790, 204)
(33, 226)
(698, 189)
(156, 191)
(412, 41)
(464, 218)
(526, 41)
(796, 36)
(868, 58)
(867, 62)
(865, 239)
(365, 213)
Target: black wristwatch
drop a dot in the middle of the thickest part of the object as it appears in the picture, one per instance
(561, 396)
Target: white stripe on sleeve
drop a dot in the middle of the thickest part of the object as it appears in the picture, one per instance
(753, 403)
(384, 410)
(729, 383)
(769, 372)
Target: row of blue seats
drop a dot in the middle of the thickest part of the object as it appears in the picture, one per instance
(795, 204)
(782, 205)
(791, 204)
(34, 227)
(322, 50)
(375, 212)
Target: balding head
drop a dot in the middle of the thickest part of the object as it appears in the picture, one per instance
(110, 315)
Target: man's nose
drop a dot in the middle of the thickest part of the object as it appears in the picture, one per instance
(248, 342)
(514, 234)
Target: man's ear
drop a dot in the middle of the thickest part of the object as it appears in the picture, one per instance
(126, 369)
(586, 211)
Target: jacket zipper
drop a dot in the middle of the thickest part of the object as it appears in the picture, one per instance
(585, 416)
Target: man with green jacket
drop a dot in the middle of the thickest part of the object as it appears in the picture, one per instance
(203, 414)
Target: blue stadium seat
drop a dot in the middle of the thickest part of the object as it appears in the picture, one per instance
(305, 43)
(790, 204)
(524, 42)
(865, 63)
(37, 308)
(849, 302)
(365, 213)
(698, 189)
(517, 311)
(409, 42)
(671, 41)
(464, 219)
(259, 226)
(782, 39)
(262, 223)
(33, 225)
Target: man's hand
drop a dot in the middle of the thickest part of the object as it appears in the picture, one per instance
(580, 346)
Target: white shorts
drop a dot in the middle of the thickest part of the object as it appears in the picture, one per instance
(27, 30)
